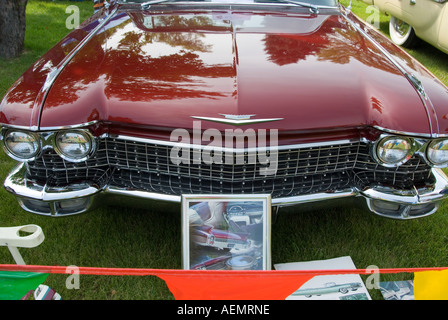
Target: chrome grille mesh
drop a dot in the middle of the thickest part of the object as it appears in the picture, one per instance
(146, 166)
(156, 158)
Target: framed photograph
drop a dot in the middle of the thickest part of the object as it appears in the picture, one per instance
(226, 232)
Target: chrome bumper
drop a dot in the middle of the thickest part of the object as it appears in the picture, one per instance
(79, 198)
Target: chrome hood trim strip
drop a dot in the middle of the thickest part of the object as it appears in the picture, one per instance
(224, 149)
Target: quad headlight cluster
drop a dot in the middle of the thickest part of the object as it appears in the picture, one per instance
(392, 151)
(72, 145)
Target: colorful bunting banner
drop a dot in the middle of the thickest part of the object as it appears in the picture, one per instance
(429, 283)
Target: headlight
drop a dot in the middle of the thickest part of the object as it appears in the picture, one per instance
(437, 153)
(74, 145)
(21, 145)
(393, 151)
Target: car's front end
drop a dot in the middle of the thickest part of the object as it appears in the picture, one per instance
(153, 102)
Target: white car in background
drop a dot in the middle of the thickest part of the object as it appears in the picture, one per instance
(412, 20)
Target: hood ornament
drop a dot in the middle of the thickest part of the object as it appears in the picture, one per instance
(236, 119)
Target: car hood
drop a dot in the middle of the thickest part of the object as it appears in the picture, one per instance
(166, 71)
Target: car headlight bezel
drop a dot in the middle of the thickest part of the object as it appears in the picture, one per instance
(35, 140)
(61, 150)
(393, 142)
(430, 156)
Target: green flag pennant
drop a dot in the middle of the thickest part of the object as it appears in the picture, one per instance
(15, 285)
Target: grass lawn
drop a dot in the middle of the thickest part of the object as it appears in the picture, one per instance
(151, 237)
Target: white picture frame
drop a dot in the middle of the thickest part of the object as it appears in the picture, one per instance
(226, 232)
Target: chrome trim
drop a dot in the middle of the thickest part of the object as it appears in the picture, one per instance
(314, 9)
(74, 126)
(142, 194)
(236, 122)
(33, 129)
(224, 149)
(439, 192)
(54, 208)
(418, 85)
(26, 190)
(17, 184)
(412, 201)
(224, 3)
(412, 134)
(405, 133)
(324, 196)
(146, 5)
(11, 126)
(404, 212)
(282, 202)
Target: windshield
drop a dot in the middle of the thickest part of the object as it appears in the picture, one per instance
(320, 3)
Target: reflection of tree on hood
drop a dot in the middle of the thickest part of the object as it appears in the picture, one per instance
(347, 44)
(170, 76)
(287, 49)
(331, 42)
(181, 22)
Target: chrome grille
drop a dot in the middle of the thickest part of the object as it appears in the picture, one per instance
(301, 170)
(291, 162)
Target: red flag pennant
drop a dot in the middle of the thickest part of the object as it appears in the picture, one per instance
(257, 286)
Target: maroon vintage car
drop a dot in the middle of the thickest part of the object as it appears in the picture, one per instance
(299, 100)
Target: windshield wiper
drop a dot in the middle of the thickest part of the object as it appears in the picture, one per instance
(314, 9)
(147, 4)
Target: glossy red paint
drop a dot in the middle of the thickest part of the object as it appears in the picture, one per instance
(153, 71)
(21, 105)
(436, 91)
